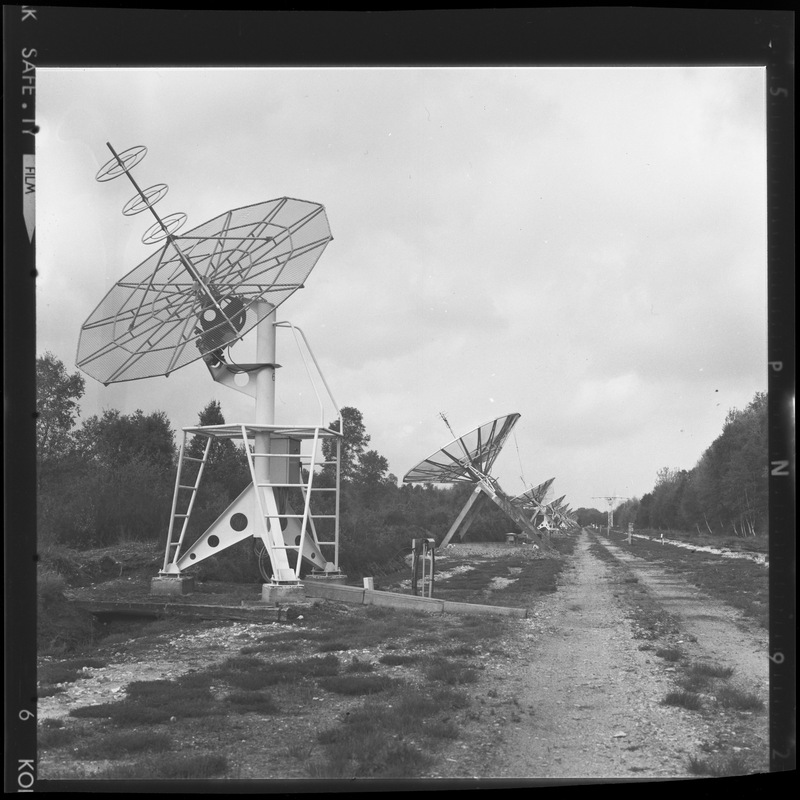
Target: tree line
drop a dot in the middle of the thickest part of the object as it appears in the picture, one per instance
(725, 493)
(109, 479)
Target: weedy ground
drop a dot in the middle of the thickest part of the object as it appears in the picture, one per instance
(341, 692)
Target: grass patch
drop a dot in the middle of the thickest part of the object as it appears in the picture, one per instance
(738, 582)
(117, 746)
(669, 653)
(683, 699)
(246, 702)
(370, 742)
(194, 767)
(450, 672)
(272, 647)
(711, 670)
(250, 673)
(332, 647)
(359, 666)
(55, 737)
(356, 684)
(718, 768)
(461, 650)
(597, 550)
(731, 697)
(398, 659)
(694, 683)
(151, 702)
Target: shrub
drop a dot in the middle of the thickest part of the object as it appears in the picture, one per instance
(711, 670)
(684, 699)
(253, 701)
(731, 697)
(669, 653)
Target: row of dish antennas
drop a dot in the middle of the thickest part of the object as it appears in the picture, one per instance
(121, 164)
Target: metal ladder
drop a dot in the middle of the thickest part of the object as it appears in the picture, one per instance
(267, 507)
(174, 545)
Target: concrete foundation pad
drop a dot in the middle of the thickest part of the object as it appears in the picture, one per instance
(451, 607)
(278, 594)
(172, 585)
(333, 591)
(409, 602)
(334, 578)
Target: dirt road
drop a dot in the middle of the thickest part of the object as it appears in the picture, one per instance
(573, 691)
(595, 694)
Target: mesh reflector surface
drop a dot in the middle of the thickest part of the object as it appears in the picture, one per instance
(158, 318)
(476, 450)
(534, 497)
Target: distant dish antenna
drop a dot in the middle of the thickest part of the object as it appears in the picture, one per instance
(532, 501)
(555, 515)
(469, 459)
(197, 295)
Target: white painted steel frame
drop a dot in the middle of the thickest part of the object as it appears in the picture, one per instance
(246, 432)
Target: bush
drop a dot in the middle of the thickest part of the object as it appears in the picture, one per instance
(450, 672)
(683, 699)
(731, 697)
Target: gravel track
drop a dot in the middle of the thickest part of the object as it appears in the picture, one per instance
(596, 696)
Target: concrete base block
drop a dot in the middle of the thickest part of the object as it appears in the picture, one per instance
(279, 594)
(409, 602)
(172, 585)
(333, 591)
(334, 578)
(452, 607)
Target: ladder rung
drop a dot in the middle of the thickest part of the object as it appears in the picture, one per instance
(192, 458)
(182, 516)
(181, 486)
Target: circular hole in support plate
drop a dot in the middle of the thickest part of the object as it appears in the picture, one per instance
(238, 522)
(213, 541)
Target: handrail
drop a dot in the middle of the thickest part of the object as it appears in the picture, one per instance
(295, 329)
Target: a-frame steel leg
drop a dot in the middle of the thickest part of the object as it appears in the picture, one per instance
(466, 516)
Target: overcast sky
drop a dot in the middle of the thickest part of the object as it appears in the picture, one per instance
(583, 246)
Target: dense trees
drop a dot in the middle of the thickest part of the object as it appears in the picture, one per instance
(57, 396)
(111, 479)
(726, 491)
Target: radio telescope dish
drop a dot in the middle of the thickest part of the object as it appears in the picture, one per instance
(469, 459)
(534, 497)
(197, 294)
(163, 315)
(459, 461)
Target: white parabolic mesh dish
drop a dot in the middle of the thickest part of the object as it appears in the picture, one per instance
(149, 323)
(476, 450)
